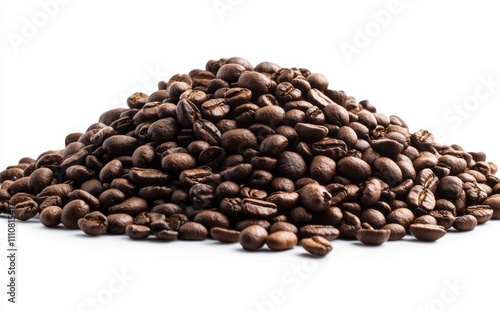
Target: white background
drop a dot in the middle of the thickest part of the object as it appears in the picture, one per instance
(422, 60)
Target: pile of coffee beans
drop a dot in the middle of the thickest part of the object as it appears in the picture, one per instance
(259, 155)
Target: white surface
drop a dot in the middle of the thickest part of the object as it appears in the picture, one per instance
(425, 64)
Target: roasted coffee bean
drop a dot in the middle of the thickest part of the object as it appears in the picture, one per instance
(202, 195)
(373, 217)
(132, 206)
(253, 237)
(120, 145)
(283, 226)
(315, 198)
(388, 170)
(427, 233)
(317, 245)
(330, 147)
(23, 207)
(354, 168)
(425, 219)
(311, 132)
(117, 223)
(211, 219)
(207, 131)
(401, 216)
(444, 218)
(494, 203)
(147, 177)
(72, 212)
(291, 165)
(348, 225)
(50, 216)
(238, 140)
(284, 200)
(270, 115)
(178, 162)
(326, 231)
(94, 223)
(163, 231)
(281, 240)
(421, 198)
(465, 223)
(225, 235)
(258, 209)
(40, 178)
(373, 237)
(137, 232)
(187, 113)
(483, 213)
(193, 231)
(398, 232)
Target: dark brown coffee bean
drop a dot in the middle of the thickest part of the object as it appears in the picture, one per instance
(284, 200)
(373, 237)
(215, 109)
(425, 219)
(202, 195)
(72, 212)
(291, 165)
(193, 231)
(258, 209)
(187, 113)
(348, 225)
(94, 223)
(137, 232)
(207, 131)
(330, 147)
(238, 140)
(225, 235)
(401, 216)
(211, 219)
(427, 233)
(465, 223)
(281, 240)
(421, 198)
(120, 145)
(311, 132)
(40, 178)
(354, 168)
(317, 245)
(398, 232)
(50, 216)
(236, 96)
(373, 217)
(253, 237)
(315, 198)
(270, 115)
(283, 226)
(118, 222)
(178, 162)
(483, 213)
(286, 92)
(230, 72)
(389, 171)
(494, 203)
(326, 231)
(132, 206)
(273, 145)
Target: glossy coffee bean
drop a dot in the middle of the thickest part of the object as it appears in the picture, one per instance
(317, 246)
(94, 223)
(281, 240)
(253, 237)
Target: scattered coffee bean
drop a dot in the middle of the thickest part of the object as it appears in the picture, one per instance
(94, 223)
(426, 232)
(317, 245)
(253, 237)
(281, 240)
